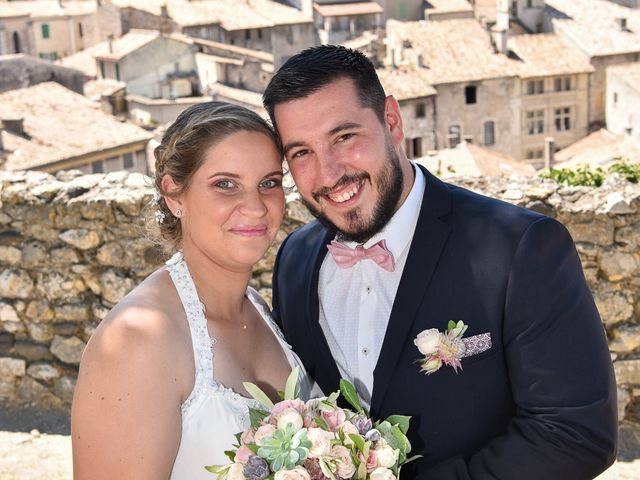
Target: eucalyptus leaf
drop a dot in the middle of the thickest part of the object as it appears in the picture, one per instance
(321, 423)
(402, 421)
(231, 455)
(451, 325)
(350, 395)
(256, 417)
(258, 394)
(358, 440)
(292, 381)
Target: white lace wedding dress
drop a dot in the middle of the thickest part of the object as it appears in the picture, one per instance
(213, 413)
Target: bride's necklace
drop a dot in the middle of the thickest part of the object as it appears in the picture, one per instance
(204, 312)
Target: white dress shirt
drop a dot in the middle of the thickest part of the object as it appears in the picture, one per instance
(356, 302)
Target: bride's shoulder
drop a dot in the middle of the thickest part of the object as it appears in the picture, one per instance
(149, 319)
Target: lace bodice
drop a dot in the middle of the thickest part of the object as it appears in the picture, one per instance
(212, 413)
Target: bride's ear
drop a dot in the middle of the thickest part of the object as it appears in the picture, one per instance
(173, 201)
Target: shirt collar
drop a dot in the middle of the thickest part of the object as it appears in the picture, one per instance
(398, 232)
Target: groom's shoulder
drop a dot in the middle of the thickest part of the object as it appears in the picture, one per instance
(304, 239)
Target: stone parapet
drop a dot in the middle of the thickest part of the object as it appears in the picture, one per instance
(73, 245)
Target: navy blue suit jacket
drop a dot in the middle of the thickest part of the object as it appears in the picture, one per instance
(541, 403)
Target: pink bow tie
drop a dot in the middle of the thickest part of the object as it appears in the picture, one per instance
(346, 257)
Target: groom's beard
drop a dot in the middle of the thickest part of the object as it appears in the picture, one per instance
(389, 184)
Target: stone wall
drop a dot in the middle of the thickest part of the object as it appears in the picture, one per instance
(71, 246)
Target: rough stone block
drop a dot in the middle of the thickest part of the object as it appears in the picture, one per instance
(69, 350)
(598, 232)
(114, 287)
(15, 284)
(618, 266)
(81, 238)
(32, 351)
(44, 372)
(627, 371)
(626, 339)
(64, 387)
(10, 255)
(12, 367)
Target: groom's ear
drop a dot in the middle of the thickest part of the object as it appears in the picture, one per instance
(393, 120)
(172, 197)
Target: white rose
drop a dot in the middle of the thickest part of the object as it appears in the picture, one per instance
(387, 456)
(320, 441)
(348, 428)
(290, 415)
(345, 467)
(382, 473)
(428, 341)
(236, 472)
(263, 432)
(297, 473)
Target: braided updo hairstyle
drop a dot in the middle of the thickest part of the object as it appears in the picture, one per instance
(182, 151)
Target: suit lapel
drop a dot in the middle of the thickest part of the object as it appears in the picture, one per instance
(428, 241)
(326, 373)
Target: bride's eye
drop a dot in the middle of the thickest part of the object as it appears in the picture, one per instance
(271, 183)
(224, 184)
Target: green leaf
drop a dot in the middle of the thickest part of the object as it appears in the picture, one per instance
(402, 421)
(292, 382)
(358, 440)
(257, 416)
(253, 447)
(451, 325)
(321, 423)
(361, 473)
(350, 395)
(231, 455)
(258, 394)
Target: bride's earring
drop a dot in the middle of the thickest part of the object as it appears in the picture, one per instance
(178, 213)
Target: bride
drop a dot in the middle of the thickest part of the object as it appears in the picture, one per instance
(159, 392)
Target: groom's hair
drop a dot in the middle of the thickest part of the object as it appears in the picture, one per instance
(316, 67)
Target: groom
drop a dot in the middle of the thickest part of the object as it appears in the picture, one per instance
(396, 252)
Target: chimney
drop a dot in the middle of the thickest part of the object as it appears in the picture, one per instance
(164, 12)
(548, 152)
(14, 125)
(499, 37)
(622, 23)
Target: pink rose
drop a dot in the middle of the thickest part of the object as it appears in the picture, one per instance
(382, 473)
(297, 473)
(247, 436)
(263, 432)
(372, 461)
(242, 454)
(334, 419)
(279, 407)
(345, 467)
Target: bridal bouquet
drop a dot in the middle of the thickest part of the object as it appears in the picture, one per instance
(316, 440)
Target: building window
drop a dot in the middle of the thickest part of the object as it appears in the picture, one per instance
(562, 84)
(417, 147)
(127, 161)
(615, 98)
(529, 3)
(535, 87)
(259, 34)
(454, 135)
(470, 94)
(421, 110)
(16, 43)
(97, 167)
(535, 122)
(562, 117)
(489, 132)
(80, 32)
(247, 34)
(534, 154)
(102, 75)
(117, 71)
(514, 9)
(45, 30)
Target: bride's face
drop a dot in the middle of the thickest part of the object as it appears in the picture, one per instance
(234, 205)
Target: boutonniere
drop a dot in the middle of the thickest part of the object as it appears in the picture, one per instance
(441, 348)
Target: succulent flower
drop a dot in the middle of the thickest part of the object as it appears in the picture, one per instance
(256, 468)
(285, 448)
(363, 424)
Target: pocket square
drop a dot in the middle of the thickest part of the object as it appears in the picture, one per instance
(477, 344)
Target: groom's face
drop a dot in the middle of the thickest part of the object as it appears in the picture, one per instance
(343, 159)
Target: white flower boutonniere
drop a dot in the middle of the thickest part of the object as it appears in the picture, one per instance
(441, 348)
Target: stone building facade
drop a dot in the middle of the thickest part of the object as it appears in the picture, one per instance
(623, 98)
(72, 246)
